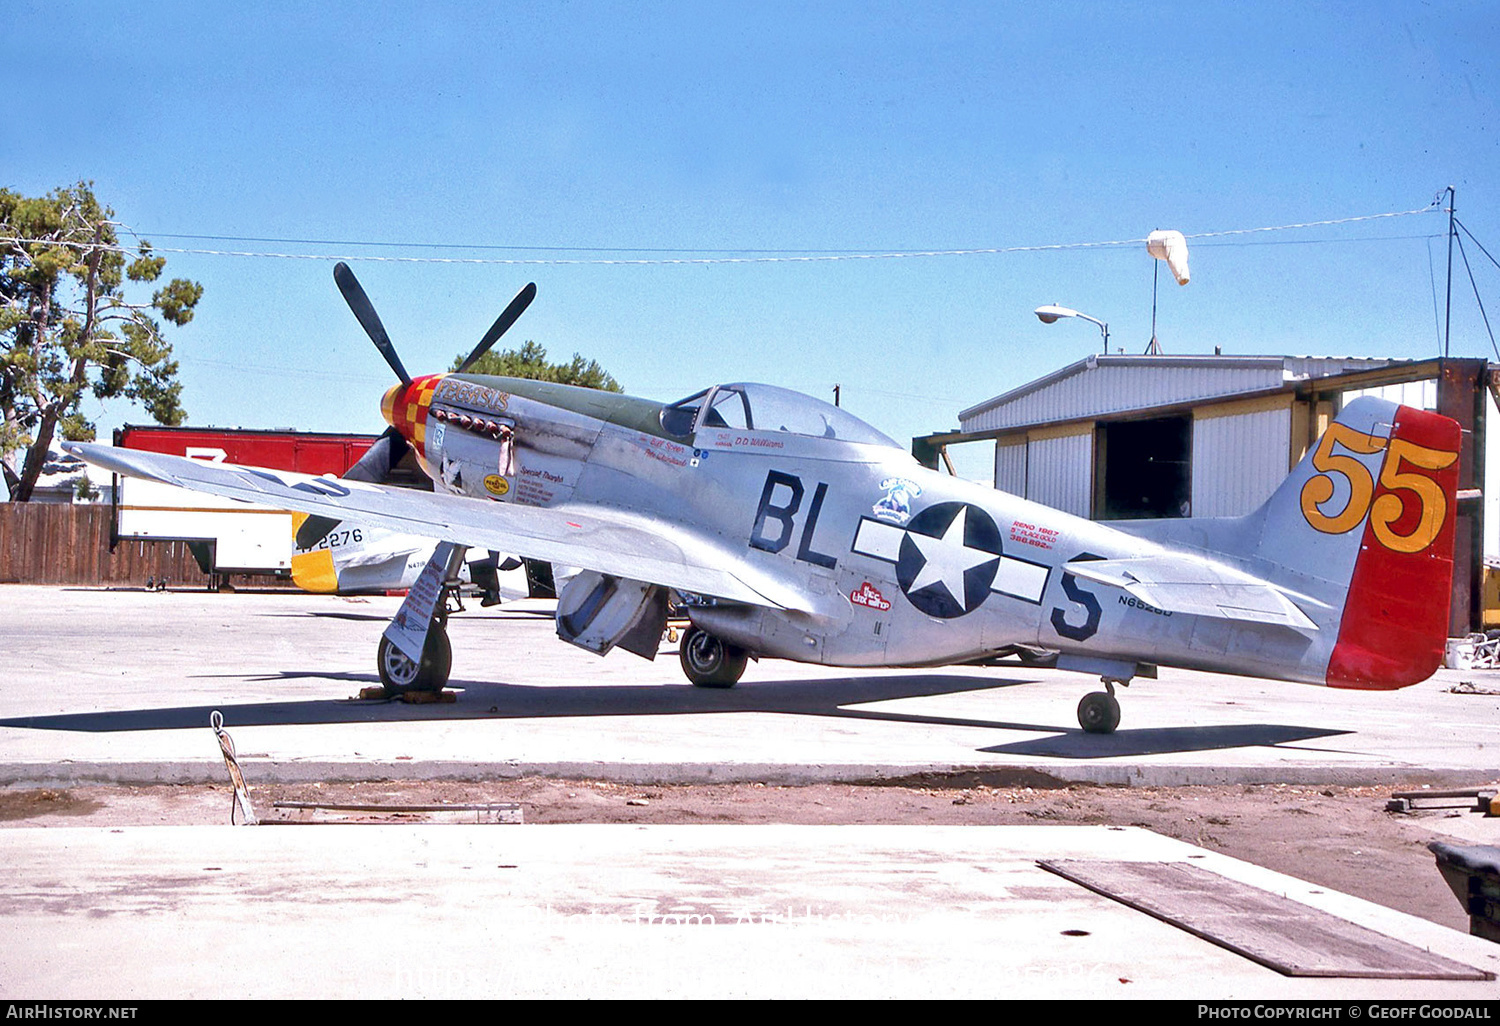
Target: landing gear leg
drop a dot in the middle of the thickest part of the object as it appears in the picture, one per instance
(1099, 711)
(414, 652)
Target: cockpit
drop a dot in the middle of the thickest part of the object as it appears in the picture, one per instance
(749, 407)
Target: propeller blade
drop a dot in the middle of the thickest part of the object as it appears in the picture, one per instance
(313, 530)
(364, 311)
(375, 465)
(502, 324)
(373, 468)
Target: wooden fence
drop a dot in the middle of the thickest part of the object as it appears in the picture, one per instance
(47, 543)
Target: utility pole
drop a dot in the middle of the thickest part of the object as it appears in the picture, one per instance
(1448, 305)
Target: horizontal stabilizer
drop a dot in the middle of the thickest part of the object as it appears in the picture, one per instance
(1183, 584)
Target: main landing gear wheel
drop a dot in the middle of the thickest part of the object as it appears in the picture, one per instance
(709, 662)
(400, 675)
(1099, 713)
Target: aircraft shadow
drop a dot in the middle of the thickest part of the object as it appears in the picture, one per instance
(827, 698)
(517, 614)
(486, 700)
(326, 615)
(1076, 744)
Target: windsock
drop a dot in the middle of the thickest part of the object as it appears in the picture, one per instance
(1171, 247)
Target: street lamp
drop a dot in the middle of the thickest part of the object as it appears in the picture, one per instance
(1051, 314)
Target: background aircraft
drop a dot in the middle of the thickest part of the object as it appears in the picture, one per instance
(349, 558)
(787, 528)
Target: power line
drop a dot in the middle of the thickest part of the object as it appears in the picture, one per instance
(1476, 241)
(1319, 242)
(487, 247)
(1437, 317)
(750, 257)
(1472, 284)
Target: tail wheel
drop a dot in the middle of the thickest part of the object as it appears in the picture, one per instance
(1099, 713)
(400, 675)
(709, 662)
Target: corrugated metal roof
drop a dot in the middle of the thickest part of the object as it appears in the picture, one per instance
(1102, 385)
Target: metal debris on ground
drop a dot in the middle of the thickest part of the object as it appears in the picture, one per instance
(322, 812)
(1468, 687)
(241, 792)
(1475, 652)
(325, 812)
(1481, 800)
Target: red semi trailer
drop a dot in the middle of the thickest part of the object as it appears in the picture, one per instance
(226, 536)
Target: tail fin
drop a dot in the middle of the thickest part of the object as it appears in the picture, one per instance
(1370, 513)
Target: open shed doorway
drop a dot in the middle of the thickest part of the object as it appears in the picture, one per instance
(1143, 469)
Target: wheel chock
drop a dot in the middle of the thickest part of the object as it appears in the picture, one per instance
(380, 694)
(428, 697)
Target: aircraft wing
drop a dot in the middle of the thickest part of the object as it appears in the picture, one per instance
(1180, 583)
(612, 541)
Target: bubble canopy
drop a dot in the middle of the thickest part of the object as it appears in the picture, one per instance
(751, 407)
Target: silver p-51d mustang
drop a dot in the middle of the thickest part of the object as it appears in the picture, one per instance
(785, 528)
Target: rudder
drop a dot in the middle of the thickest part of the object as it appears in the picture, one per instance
(1365, 524)
(1395, 621)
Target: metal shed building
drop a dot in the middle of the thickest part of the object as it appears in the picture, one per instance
(1119, 437)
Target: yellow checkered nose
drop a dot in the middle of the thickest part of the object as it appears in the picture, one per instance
(388, 402)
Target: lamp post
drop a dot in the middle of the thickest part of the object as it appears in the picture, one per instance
(1051, 314)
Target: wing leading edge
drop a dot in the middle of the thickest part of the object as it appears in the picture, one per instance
(611, 541)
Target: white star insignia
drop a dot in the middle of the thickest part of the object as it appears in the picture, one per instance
(947, 559)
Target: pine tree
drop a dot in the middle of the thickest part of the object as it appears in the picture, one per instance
(67, 326)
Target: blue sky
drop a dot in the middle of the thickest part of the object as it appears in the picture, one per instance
(588, 131)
